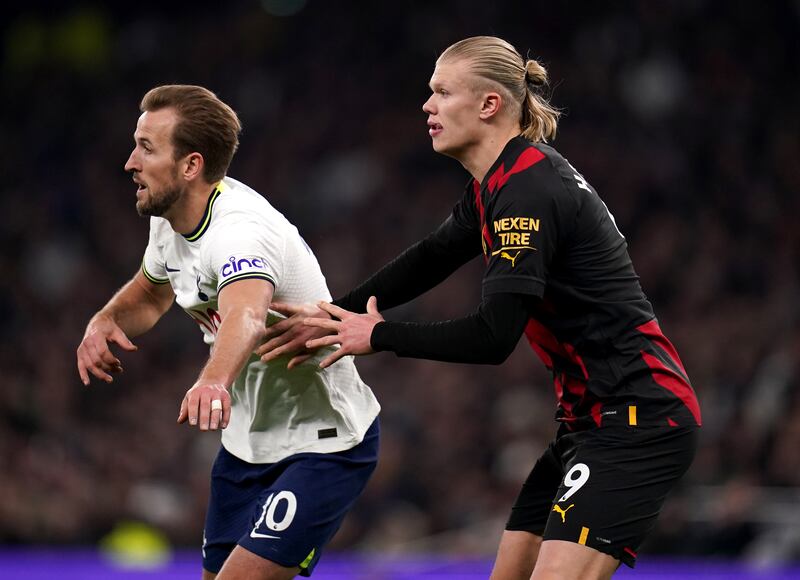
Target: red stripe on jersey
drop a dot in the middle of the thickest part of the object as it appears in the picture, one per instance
(653, 332)
(575, 386)
(575, 357)
(540, 337)
(534, 332)
(598, 418)
(539, 334)
(673, 382)
(558, 383)
(530, 157)
(479, 204)
(631, 552)
(559, 387)
(671, 423)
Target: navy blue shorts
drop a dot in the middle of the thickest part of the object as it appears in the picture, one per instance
(287, 511)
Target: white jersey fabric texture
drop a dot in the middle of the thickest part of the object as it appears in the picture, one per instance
(276, 412)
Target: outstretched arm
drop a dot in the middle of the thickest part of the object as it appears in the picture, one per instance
(418, 269)
(132, 311)
(488, 336)
(412, 273)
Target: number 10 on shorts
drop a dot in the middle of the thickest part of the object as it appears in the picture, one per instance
(575, 479)
(267, 516)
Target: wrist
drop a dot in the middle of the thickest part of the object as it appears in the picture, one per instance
(216, 382)
(100, 319)
(377, 336)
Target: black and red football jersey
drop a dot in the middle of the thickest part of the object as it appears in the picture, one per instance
(546, 234)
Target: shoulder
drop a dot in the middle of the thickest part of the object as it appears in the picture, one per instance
(529, 171)
(160, 229)
(239, 204)
(541, 171)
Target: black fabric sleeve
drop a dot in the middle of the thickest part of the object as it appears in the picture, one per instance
(420, 267)
(488, 336)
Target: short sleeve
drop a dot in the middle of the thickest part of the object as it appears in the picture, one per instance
(241, 251)
(526, 220)
(153, 264)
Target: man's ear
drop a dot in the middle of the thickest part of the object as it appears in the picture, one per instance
(490, 106)
(193, 166)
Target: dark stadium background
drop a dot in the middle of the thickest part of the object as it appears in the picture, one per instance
(683, 114)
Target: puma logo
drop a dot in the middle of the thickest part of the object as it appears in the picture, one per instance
(508, 256)
(563, 513)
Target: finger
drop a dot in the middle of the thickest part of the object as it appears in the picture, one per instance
(192, 407)
(100, 373)
(372, 306)
(183, 414)
(205, 411)
(226, 411)
(332, 358)
(323, 323)
(82, 371)
(123, 341)
(324, 341)
(288, 348)
(214, 418)
(297, 360)
(285, 308)
(272, 343)
(96, 353)
(280, 327)
(333, 310)
(109, 360)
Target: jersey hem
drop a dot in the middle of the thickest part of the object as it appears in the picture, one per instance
(330, 446)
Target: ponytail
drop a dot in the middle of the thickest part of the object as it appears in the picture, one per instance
(539, 118)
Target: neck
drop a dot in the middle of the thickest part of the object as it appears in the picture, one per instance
(189, 209)
(479, 159)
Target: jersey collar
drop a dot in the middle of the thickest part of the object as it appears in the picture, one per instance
(510, 152)
(201, 228)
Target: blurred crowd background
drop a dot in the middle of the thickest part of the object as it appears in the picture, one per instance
(684, 115)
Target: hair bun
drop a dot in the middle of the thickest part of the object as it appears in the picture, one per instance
(535, 74)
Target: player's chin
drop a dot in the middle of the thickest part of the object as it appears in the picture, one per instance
(448, 149)
(440, 145)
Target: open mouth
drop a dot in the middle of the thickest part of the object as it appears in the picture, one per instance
(140, 186)
(434, 129)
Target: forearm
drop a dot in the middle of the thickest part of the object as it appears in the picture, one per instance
(241, 330)
(136, 307)
(416, 270)
(488, 336)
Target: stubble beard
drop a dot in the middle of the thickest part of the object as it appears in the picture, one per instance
(158, 203)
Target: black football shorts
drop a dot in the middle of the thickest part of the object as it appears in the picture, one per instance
(603, 488)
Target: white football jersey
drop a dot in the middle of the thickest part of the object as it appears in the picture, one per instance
(276, 412)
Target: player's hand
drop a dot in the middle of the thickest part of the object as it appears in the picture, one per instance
(289, 336)
(352, 331)
(95, 356)
(199, 408)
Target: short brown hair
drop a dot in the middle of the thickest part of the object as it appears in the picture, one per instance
(205, 125)
(521, 82)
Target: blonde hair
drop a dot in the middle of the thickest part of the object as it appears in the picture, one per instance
(205, 124)
(521, 82)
